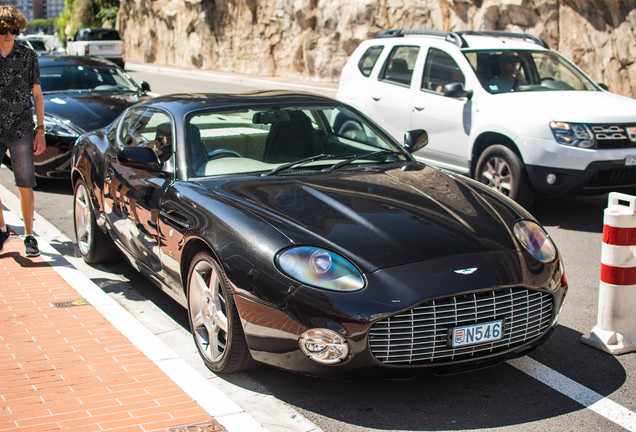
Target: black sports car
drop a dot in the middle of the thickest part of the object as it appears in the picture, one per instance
(311, 250)
(81, 94)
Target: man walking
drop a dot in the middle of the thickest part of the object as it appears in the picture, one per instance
(19, 81)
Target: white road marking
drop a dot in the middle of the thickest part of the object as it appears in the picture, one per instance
(237, 419)
(588, 398)
(205, 390)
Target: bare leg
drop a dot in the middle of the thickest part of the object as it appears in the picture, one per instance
(1, 215)
(27, 202)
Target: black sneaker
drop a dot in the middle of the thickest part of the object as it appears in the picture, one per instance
(4, 238)
(31, 246)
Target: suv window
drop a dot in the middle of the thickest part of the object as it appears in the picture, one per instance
(399, 65)
(368, 59)
(537, 71)
(103, 34)
(440, 69)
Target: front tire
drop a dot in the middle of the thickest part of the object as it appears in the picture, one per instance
(500, 168)
(94, 246)
(214, 320)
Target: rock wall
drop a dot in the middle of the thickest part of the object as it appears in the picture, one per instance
(311, 39)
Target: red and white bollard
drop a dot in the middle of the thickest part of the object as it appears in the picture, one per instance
(615, 331)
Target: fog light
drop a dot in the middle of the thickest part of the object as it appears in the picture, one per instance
(324, 346)
(551, 179)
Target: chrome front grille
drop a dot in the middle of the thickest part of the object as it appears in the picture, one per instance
(422, 335)
(613, 136)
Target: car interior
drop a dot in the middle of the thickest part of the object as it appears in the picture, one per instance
(251, 141)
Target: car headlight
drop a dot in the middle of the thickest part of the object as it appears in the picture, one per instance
(535, 240)
(320, 268)
(572, 134)
(56, 126)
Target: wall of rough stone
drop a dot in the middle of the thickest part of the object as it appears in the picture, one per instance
(311, 39)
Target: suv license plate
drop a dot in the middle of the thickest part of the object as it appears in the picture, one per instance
(630, 160)
(477, 333)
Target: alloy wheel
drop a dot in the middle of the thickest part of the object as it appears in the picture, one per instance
(83, 227)
(498, 175)
(208, 311)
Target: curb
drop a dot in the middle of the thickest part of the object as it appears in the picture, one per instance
(230, 415)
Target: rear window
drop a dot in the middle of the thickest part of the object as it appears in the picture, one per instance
(103, 34)
(368, 60)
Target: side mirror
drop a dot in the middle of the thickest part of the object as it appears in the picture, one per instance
(457, 90)
(414, 140)
(603, 86)
(139, 157)
(144, 86)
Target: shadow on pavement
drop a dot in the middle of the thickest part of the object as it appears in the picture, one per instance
(583, 214)
(489, 398)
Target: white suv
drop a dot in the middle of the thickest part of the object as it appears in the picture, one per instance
(499, 107)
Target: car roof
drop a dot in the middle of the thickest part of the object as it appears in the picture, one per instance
(472, 39)
(61, 60)
(187, 102)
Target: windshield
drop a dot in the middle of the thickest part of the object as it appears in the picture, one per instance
(102, 34)
(60, 78)
(502, 71)
(38, 45)
(284, 140)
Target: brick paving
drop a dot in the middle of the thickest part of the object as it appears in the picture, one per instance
(64, 367)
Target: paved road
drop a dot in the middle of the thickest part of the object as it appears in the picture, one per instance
(575, 387)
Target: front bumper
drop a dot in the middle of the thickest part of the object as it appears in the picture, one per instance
(272, 332)
(598, 178)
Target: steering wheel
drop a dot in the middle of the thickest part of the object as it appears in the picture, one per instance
(546, 79)
(351, 129)
(218, 152)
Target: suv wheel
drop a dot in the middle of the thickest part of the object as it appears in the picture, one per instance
(500, 168)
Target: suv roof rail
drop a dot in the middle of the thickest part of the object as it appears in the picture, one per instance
(449, 36)
(505, 34)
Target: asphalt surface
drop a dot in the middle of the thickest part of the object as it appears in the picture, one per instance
(563, 385)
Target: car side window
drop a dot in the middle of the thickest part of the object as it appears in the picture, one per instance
(368, 59)
(148, 128)
(440, 69)
(398, 68)
(129, 129)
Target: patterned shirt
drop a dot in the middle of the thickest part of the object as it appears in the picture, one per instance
(19, 71)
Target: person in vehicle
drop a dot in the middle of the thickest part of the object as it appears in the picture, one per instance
(509, 76)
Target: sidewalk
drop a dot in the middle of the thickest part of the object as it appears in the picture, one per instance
(73, 360)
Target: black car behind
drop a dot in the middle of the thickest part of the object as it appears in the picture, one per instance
(81, 94)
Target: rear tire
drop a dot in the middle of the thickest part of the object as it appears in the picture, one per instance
(214, 320)
(500, 168)
(94, 246)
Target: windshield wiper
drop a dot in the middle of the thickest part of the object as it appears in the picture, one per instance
(67, 91)
(289, 165)
(372, 155)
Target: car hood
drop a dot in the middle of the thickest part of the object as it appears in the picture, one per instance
(382, 218)
(572, 106)
(89, 111)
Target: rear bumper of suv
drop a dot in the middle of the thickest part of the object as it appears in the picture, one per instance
(599, 177)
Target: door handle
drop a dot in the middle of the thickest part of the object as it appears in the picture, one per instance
(376, 97)
(418, 107)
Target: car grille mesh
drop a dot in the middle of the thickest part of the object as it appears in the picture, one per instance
(615, 177)
(422, 335)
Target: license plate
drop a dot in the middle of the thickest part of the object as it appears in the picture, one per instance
(630, 160)
(105, 47)
(477, 333)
